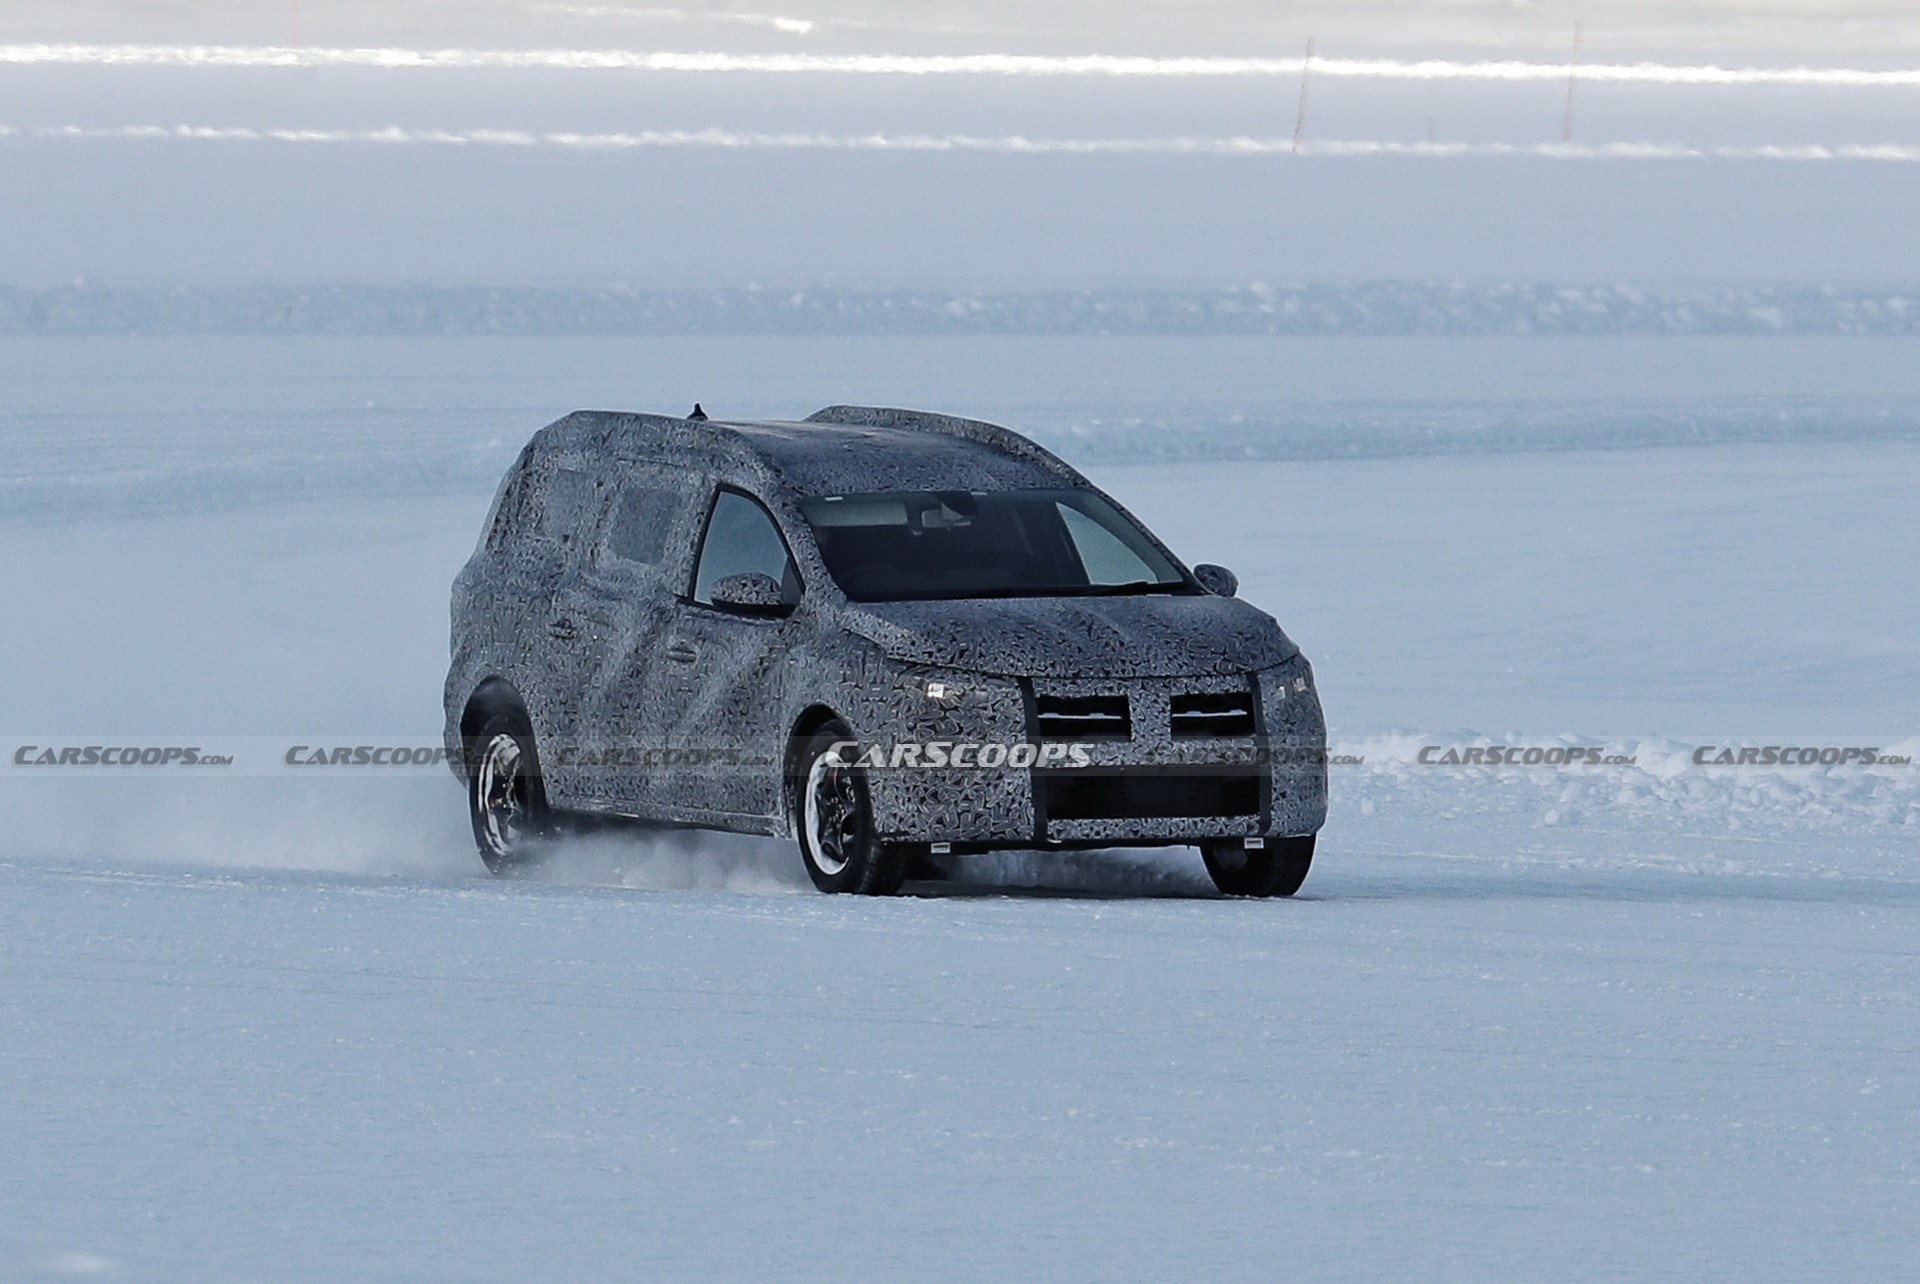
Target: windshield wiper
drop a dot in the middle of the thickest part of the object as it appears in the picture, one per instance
(1133, 588)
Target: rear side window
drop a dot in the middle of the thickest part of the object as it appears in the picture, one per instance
(741, 538)
(643, 517)
(569, 507)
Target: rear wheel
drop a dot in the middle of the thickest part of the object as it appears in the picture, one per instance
(837, 839)
(1276, 869)
(508, 802)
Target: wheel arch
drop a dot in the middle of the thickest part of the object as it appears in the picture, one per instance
(494, 695)
(811, 719)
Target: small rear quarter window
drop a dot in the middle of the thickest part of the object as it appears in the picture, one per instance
(507, 510)
(642, 519)
(568, 509)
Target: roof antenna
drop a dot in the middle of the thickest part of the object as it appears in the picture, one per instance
(697, 412)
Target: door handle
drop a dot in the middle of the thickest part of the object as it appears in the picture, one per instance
(563, 629)
(681, 653)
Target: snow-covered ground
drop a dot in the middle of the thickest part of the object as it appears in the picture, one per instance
(1551, 1022)
(1423, 1070)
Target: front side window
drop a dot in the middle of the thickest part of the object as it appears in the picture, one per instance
(742, 539)
(916, 545)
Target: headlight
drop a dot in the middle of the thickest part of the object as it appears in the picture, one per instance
(1285, 681)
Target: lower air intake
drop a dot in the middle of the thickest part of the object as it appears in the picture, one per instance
(1092, 794)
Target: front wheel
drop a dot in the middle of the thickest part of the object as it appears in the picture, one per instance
(1277, 869)
(508, 802)
(837, 839)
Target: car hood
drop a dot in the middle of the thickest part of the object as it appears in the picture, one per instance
(1065, 637)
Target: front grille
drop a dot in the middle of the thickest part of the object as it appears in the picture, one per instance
(1100, 717)
(1223, 713)
(1094, 794)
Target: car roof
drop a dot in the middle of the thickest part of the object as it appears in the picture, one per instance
(839, 459)
(837, 451)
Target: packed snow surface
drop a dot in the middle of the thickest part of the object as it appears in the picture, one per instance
(1638, 1018)
(1429, 1067)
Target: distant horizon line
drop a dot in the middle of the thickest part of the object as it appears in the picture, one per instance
(1360, 309)
(1672, 287)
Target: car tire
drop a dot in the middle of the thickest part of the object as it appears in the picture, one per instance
(512, 824)
(1277, 869)
(834, 819)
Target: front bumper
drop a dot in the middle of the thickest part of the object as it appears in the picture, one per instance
(1147, 782)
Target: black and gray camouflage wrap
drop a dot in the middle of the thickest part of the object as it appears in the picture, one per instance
(595, 648)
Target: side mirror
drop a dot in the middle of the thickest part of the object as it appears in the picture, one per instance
(755, 593)
(1217, 580)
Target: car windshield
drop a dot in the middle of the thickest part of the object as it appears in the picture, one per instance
(922, 545)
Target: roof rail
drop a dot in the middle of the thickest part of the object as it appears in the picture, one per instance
(1005, 439)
